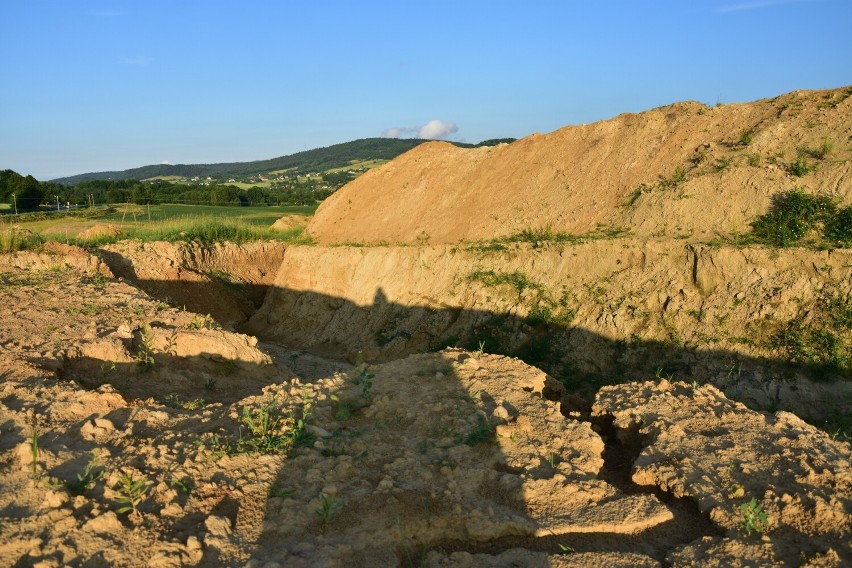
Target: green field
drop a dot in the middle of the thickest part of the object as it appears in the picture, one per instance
(131, 215)
(167, 222)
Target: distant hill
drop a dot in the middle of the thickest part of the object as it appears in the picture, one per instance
(316, 160)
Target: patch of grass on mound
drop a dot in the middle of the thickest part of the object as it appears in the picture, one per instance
(543, 237)
(797, 218)
(820, 336)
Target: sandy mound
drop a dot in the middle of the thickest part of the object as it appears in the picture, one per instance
(290, 222)
(674, 169)
(100, 230)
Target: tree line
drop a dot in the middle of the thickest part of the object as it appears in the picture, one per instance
(28, 194)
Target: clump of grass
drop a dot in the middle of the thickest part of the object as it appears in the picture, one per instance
(677, 177)
(328, 507)
(482, 432)
(746, 137)
(14, 239)
(800, 167)
(820, 152)
(518, 280)
(543, 237)
(819, 336)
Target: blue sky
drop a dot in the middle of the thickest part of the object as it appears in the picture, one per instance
(108, 85)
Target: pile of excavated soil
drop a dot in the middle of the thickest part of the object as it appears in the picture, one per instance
(290, 222)
(439, 459)
(683, 169)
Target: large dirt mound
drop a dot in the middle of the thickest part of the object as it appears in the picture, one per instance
(677, 168)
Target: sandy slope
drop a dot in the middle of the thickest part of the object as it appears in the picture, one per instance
(609, 172)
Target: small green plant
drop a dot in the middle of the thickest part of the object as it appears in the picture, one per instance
(92, 473)
(201, 322)
(280, 493)
(800, 167)
(754, 160)
(131, 493)
(210, 385)
(481, 348)
(176, 401)
(269, 432)
(185, 486)
(364, 378)
(754, 519)
(145, 351)
(483, 432)
(328, 507)
(342, 410)
(821, 151)
(722, 164)
(746, 137)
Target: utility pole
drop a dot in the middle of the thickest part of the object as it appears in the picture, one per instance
(15, 201)
(57, 202)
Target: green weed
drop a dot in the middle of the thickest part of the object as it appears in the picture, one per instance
(145, 350)
(131, 493)
(269, 432)
(800, 167)
(328, 507)
(754, 519)
(92, 473)
(364, 378)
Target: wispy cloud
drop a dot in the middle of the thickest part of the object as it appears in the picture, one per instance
(754, 5)
(138, 60)
(432, 130)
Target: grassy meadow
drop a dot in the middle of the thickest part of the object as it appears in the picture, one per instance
(168, 222)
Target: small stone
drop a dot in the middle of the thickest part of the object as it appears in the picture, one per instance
(55, 499)
(218, 526)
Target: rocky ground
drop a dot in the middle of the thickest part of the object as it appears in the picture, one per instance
(136, 434)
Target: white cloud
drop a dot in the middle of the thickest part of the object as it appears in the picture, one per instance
(166, 163)
(432, 130)
(435, 129)
(138, 60)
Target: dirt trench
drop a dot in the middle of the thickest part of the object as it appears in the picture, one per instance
(496, 464)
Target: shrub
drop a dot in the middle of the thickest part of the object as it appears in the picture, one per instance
(794, 214)
(800, 167)
(838, 229)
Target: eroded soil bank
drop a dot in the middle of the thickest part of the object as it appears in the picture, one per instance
(744, 319)
(125, 420)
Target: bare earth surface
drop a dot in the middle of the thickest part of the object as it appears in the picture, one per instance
(454, 459)
(171, 404)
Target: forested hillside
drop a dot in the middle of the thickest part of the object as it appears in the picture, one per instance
(316, 160)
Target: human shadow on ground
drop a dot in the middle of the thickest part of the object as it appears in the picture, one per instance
(309, 494)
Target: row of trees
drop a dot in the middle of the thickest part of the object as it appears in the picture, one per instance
(29, 193)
